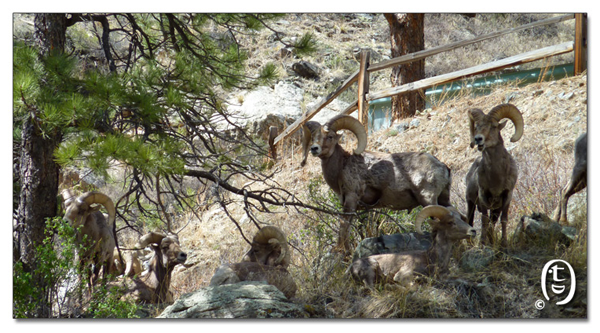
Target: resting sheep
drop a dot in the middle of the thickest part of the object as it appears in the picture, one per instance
(154, 286)
(578, 178)
(267, 260)
(371, 179)
(95, 227)
(492, 177)
(448, 226)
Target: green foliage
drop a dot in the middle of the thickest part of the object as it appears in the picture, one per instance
(106, 303)
(51, 265)
(55, 264)
(305, 45)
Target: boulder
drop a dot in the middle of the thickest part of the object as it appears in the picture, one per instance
(392, 244)
(541, 229)
(240, 300)
(306, 70)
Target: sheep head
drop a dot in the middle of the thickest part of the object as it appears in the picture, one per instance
(165, 246)
(321, 140)
(485, 129)
(269, 247)
(79, 208)
(447, 220)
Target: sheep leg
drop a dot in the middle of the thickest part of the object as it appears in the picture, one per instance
(343, 243)
(578, 182)
(350, 203)
(487, 232)
(495, 214)
(404, 276)
(470, 212)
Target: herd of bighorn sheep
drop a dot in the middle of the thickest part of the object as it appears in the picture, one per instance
(361, 179)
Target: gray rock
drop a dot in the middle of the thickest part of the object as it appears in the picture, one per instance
(541, 229)
(306, 70)
(415, 123)
(239, 300)
(402, 127)
(476, 259)
(392, 244)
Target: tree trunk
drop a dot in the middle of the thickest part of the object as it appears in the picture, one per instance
(38, 172)
(406, 36)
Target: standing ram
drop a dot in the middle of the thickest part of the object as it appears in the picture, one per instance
(95, 229)
(492, 177)
(578, 178)
(447, 225)
(267, 260)
(371, 179)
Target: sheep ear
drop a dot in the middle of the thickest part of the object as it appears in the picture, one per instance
(502, 124)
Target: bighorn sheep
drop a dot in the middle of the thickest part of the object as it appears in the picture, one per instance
(578, 178)
(266, 260)
(371, 179)
(153, 287)
(448, 226)
(99, 242)
(492, 177)
(269, 247)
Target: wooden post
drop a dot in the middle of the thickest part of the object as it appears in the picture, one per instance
(363, 89)
(580, 43)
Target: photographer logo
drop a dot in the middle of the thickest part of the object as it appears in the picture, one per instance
(559, 276)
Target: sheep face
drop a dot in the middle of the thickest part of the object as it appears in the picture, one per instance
(322, 140)
(78, 211)
(485, 129)
(170, 252)
(453, 226)
(446, 221)
(323, 143)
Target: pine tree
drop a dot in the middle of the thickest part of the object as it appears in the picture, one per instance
(147, 101)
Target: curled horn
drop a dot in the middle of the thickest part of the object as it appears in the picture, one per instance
(90, 198)
(430, 211)
(274, 236)
(511, 112)
(150, 238)
(68, 196)
(474, 115)
(352, 124)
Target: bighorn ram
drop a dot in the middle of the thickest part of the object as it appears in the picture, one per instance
(371, 179)
(447, 226)
(578, 178)
(269, 247)
(266, 260)
(153, 287)
(99, 241)
(492, 177)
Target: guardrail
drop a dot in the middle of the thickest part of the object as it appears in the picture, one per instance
(361, 76)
